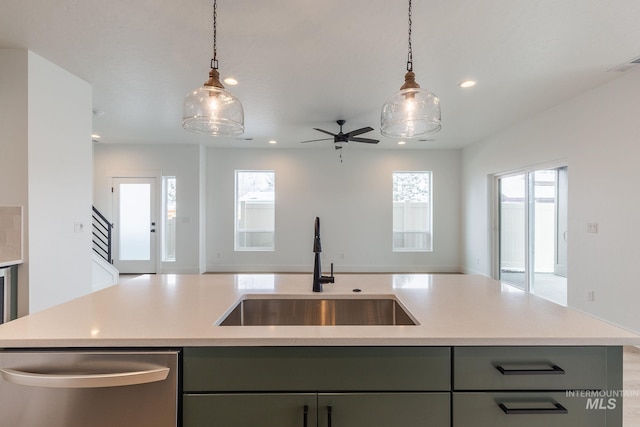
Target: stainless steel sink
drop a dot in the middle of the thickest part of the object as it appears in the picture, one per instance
(317, 311)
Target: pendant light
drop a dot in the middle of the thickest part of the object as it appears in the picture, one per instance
(211, 109)
(412, 111)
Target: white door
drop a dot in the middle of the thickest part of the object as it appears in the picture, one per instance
(134, 212)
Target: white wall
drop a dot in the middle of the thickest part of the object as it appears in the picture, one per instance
(59, 177)
(202, 194)
(597, 133)
(13, 150)
(181, 161)
(353, 200)
(45, 166)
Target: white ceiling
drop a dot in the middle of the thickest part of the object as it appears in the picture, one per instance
(306, 63)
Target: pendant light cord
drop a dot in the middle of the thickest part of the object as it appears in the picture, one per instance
(214, 61)
(410, 56)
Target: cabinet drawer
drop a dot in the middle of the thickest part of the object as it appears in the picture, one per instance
(534, 409)
(317, 369)
(530, 368)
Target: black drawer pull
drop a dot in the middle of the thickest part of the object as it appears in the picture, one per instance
(551, 370)
(328, 416)
(306, 416)
(556, 409)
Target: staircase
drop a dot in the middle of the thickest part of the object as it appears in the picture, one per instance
(104, 274)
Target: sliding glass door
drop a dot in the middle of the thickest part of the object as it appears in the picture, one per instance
(532, 218)
(513, 229)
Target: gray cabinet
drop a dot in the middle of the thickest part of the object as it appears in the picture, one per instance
(250, 410)
(315, 369)
(317, 386)
(497, 386)
(514, 409)
(317, 409)
(530, 368)
(384, 409)
(537, 386)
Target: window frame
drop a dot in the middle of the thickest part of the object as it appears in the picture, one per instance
(236, 219)
(428, 240)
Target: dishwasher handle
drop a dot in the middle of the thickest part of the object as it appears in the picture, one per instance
(36, 379)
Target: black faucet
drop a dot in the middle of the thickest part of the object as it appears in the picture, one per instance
(318, 278)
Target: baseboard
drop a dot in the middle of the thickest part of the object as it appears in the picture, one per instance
(391, 269)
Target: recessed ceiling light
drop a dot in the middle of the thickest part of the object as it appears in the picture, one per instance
(467, 84)
(401, 142)
(273, 141)
(231, 81)
(95, 136)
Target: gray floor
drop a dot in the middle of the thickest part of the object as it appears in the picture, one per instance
(545, 285)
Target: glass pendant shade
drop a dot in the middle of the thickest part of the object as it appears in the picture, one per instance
(410, 112)
(212, 110)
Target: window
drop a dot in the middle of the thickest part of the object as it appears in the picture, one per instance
(412, 212)
(168, 218)
(255, 211)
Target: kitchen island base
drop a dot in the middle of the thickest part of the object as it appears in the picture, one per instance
(391, 386)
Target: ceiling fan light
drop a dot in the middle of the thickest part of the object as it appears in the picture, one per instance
(410, 113)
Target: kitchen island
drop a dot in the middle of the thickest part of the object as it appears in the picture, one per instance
(184, 310)
(480, 352)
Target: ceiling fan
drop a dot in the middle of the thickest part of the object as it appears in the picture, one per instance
(341, 138)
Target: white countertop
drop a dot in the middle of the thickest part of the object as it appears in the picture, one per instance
(10, 263)
(184, 310)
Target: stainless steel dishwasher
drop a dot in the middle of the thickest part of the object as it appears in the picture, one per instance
(98, 389)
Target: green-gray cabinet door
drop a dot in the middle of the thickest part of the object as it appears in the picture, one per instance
(383, 409)
(249, 410)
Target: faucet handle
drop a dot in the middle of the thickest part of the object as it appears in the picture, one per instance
(328, 279)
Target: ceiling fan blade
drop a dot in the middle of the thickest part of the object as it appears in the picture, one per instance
(359, 131)
(365, 140)
(314, 140)
(325, 131)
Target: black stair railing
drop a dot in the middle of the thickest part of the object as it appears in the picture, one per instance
(102, 235)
